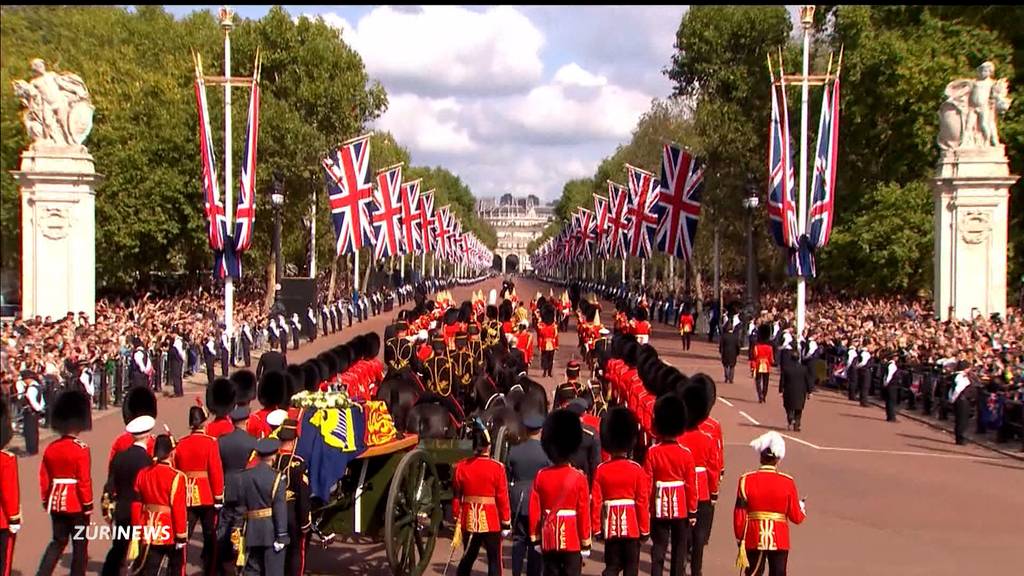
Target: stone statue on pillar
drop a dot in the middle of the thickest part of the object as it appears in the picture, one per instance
(971, 193)
(58, 199)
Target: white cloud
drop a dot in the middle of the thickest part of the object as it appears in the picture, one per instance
(447, 49)
(427, 124)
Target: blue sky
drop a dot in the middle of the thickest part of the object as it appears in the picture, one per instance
(512, 98)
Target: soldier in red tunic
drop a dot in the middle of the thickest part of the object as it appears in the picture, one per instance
(766, 501)
(704, 449)
(220, 398)
(524, 342)
(560, 499)
(481, 504)
(686, 326)
(161, 513)
(670, 467)
(547, 340)
(640, 327)
(245, 391)
(138, 401)
(65, 482)
(621, 513)
(198, 457)
(273, 394)
(761, 362)
(10, 497)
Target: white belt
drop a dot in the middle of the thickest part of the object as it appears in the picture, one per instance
(700, 469)
(671, 484)
(64, 481)
(564, 513)
(620, 502)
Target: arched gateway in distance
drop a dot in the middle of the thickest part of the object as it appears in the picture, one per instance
(517, 221)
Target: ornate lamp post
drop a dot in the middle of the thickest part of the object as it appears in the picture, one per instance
(751, 202)
(277, 202)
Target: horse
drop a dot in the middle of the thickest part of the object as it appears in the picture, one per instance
(432, 417)
(528, 396)
(399, 391)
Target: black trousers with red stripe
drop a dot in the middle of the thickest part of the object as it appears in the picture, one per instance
(295, 554)
(6, 551)
(491, 542)
(153, 556)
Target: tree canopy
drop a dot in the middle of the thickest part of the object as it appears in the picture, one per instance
(316, 93)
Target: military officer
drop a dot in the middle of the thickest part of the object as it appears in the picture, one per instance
(197, 456)
(686, 327)
(765, 502)
(620, 510)
(138, 401)
(65, 480)
(463, 365)
(295, 475)
(162, 510)
(176, 358)
(524, 461)
(246, 345)
(547, 340)
(261, 495)
(439, 369)
(10, 495)
(476, 343)
(588, 455)
(235, 449)
(481, 504)
(729, 348)
(794, 385)
(398, 349)
(560, 499)
(572, 387)
(119, 493)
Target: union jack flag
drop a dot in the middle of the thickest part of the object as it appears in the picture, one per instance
(426, 214)
(245, 211)
(387, 215)
(678, 207)
(442, 232)
(600, 225)
(348, 186)
(213, 207)
(643, 222)
(824, 185)
(618, 222)
(781, 204)
(411, 231)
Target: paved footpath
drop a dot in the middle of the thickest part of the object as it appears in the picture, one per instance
(883, 499)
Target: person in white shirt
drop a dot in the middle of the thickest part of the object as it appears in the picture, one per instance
(960, 401)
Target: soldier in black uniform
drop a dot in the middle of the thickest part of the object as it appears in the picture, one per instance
(398, 349)
(524, 461)
(246, 345)
(209, 357)
(463, 366)
(119, 491)
(572, 387)
(261, 496)
(476, 343)
(235, 450)
(729, 348)
(439, 369)
(588, 455)
(297, 495)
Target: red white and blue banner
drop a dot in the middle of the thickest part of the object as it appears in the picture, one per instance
(412, 237)
(642, 220)
(426, 215)
(387, 213)
(618, 223)
(350, 192)
(600, 226)
(824, 184)
(678, 205)
(781, 201)
(442, 232)
(245, 210)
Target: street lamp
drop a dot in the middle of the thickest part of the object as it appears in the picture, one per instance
(751, 203)
(277, 202)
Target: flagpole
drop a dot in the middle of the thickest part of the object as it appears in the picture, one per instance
(643, 271)
(402, 260)
(672, 272)
(623, 269)
(355, 286)
(312, 235)
(229, 205)
(807, 19)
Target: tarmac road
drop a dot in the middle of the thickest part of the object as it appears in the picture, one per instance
(883, 499)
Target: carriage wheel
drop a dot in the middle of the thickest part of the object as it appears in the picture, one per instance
(499, 451)
(413, 514)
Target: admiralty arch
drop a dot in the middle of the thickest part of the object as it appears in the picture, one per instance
(517, 221)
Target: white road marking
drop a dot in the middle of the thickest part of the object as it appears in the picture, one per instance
(804, 442)
(727, 403)
(747, 416)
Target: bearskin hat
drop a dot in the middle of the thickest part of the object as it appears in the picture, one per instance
(764, 333)
(138, 401)
(709, 383)
(547, 314)
(561, 436)
(245, 385)
(618, 430)
(372, 340)
(698, 404)
(641, 313)
(273, 392)
(679, 381)
(670, 416)
(466, 311)
(585, 308)
(357, 345)
(451, 316)
(505, 311)
(220, 397)
(323, 369)
(72, 412)
(492, 312)
(6, 432)
(310, 376)
(343, 354)
(295, 380)
(330, 361)
(629, 353)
